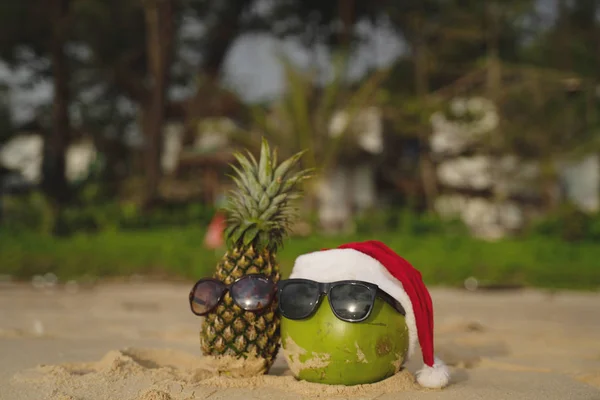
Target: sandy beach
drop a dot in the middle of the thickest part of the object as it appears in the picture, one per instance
(138, 341)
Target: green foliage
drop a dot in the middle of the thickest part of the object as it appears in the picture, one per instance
(568, 223)
(450, 259)
(23, 25)
(541, 119)
(456, 34)
(443, 259)
(407, 222)
(560, 251)
(32, 214)
(5, 115)
(171, 252)
(301, 119)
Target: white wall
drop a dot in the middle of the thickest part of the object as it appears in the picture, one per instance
(24, 153)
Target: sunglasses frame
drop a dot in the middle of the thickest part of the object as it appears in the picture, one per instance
(227, 288)
(325, 289)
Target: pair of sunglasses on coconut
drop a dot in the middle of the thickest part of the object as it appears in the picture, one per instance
(350, 301)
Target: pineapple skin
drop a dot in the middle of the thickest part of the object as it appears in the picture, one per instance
(231, 331)
(260, 215)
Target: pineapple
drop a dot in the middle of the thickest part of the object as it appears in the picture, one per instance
(259, 217)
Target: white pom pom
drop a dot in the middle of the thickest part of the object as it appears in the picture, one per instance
(434, 377)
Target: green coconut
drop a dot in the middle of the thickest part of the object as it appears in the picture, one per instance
(325, 349)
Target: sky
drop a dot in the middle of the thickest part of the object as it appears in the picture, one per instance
(252, 67)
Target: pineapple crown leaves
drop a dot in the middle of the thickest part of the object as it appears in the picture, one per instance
(259, 207)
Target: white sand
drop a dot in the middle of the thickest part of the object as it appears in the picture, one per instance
(140, 342)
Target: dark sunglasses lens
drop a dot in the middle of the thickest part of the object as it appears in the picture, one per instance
(351, 302)
(253, 293)
(206, 296)
(298, 299)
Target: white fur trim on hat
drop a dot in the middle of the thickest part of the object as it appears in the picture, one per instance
(348, 264)
(434, 377)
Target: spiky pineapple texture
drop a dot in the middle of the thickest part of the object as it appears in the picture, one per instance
(259, 210)
(231, 331)
(259, 218)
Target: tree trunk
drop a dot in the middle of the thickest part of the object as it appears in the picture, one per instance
(420, 63)
(346, 12)
(160, 26)
(426, 165)
(219, 38)
(54, 182)
(562, 51)
(494, 74)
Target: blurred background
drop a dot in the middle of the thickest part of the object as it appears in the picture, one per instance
(463, 133)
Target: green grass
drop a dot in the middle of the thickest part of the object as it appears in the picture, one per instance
(178, 252)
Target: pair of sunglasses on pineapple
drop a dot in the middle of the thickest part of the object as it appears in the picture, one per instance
(350, 300)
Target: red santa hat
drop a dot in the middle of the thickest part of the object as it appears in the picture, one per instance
(374, 262)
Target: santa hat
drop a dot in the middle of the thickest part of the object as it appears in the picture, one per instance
(374, 262)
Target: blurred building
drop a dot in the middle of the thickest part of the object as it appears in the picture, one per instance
(349, 187)
(23, 155)
(495, 194)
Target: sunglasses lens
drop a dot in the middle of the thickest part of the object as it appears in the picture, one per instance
(206, 296)
(253, 293)
(298, 299)
(351, 302)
